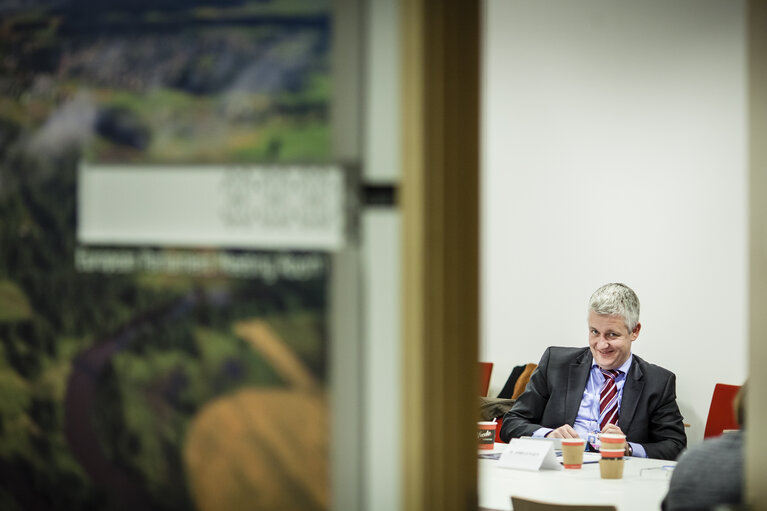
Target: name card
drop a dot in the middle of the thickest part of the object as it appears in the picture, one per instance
(529, 454)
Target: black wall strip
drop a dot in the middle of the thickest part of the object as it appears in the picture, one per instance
(379, 195)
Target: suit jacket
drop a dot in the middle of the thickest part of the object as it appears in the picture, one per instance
(649, 414)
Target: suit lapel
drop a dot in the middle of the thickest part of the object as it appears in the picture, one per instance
(632, 389)
(576, 382)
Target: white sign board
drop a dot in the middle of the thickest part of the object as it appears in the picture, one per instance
(529, 454)
(238, 206)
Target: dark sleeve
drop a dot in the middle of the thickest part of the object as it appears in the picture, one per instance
(524, 417)
(708, 476)
(666, 429)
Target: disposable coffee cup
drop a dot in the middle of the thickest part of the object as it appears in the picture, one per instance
(611, 463)
(572, 452)
(486, 435)
(612, 441)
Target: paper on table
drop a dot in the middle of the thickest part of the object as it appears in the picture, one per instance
(493, 454)
(556, 441)
(588, 457)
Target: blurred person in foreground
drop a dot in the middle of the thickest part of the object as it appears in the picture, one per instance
(563, 397)
(710, 475)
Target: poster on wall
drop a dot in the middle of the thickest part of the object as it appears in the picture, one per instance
(167, 210)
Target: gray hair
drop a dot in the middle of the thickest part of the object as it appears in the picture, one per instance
(616, 299)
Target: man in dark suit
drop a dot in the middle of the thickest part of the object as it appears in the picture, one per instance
(582, 392)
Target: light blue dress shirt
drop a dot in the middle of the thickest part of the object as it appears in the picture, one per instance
(587, 420)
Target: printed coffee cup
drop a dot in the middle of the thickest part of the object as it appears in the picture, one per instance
(572, 452)
(486, 435)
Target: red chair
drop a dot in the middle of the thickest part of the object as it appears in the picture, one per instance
(721, 415)
(498, 431)
(485, 370)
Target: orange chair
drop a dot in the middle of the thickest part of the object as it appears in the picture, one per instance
(721, 415)
(485, 370)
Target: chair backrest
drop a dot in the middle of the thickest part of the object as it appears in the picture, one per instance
(520, 504)
(499, 423)
(721, 415)
(517, 381)
(485, 370)
(521, 384)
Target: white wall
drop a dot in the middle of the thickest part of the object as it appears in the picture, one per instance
(615, 150)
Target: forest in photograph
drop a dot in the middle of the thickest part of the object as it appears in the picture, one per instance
(170, 82)
(125, 390)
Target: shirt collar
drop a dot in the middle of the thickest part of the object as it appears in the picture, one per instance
(624, 369)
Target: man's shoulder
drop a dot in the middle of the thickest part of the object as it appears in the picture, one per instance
(729, 445)
(567, 352)
(652, 369)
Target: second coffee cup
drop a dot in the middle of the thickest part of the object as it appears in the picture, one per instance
(611, 463)
(612, 441)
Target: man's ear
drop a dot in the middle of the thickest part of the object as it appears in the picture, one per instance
(635, 333)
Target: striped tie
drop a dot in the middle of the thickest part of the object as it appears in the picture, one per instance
(608, 399)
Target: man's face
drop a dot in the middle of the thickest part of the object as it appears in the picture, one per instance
(609, 340)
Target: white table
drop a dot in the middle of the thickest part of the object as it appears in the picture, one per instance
(640, 491)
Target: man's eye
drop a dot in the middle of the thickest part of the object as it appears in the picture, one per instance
(594, 332)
